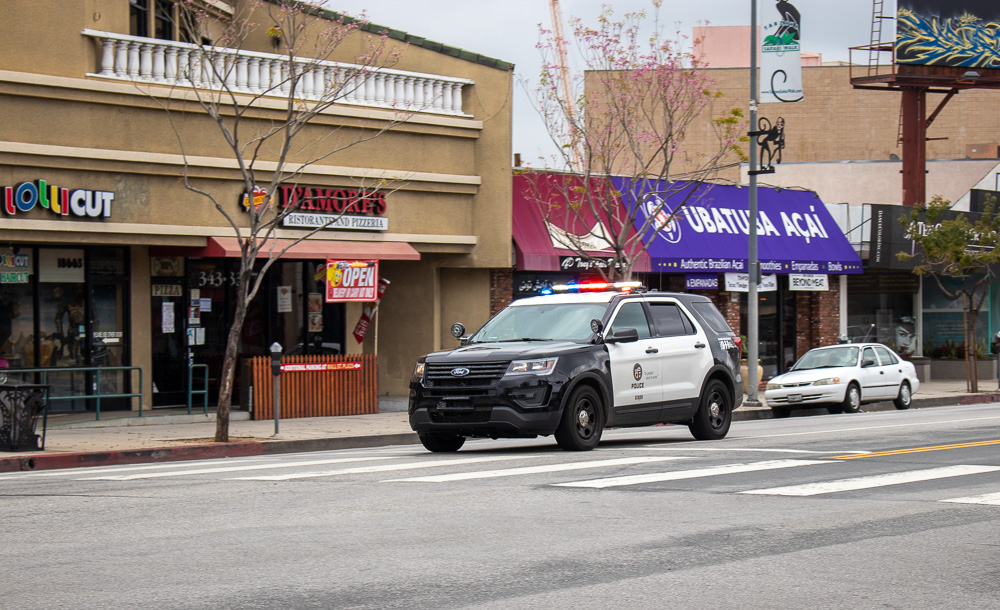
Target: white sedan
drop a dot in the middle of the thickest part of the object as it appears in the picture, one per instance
(842, 378)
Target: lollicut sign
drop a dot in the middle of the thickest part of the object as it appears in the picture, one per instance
(26, 196)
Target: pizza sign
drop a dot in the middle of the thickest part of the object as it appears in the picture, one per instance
(351, 281)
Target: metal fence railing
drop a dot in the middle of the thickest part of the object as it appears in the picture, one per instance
(203, 391)
(45, 376)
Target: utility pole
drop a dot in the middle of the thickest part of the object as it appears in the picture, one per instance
(753, 268)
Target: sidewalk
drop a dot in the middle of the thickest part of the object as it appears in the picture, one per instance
(75, 439)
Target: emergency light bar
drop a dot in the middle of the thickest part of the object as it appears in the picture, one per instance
(597, 286)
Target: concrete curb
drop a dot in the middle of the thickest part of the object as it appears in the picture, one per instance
(275, 447)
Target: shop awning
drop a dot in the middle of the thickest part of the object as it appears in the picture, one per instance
(229, 247)
(539, 242)
(796, 233)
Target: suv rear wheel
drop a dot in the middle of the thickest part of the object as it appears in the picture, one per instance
(582, 421)
(713, 418)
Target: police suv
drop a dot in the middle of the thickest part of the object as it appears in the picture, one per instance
(573, 363)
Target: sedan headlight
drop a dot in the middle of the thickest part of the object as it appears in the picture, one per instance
(827, 381)
(773, 386)
(418, 370)
(543, 366)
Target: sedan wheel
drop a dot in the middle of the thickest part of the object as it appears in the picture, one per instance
(904, 399)
(852, 399)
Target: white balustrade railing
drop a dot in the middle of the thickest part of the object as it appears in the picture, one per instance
(165, 62)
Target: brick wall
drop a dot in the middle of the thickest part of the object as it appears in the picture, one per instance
(501, 289)
(817, 318)
(835, 122)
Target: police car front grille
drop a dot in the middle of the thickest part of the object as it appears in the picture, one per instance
(480, 374)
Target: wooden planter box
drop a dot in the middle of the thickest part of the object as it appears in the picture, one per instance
(314, 386)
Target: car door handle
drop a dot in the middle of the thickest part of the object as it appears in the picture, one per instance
(699, 345)
(651, 350)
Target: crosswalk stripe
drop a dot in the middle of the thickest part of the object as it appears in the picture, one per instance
(384, 468)
(70, 472)
(181, 473)
(658, 477)
(993, 499)
(487, 474)
(878, 480)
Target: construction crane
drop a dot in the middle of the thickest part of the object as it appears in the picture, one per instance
(564, 83)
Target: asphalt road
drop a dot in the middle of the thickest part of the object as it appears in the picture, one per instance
(895, 509)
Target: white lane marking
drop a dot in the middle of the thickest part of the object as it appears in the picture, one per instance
(910, 425)
(76, 471)
(385, 468)
(878, 480)
(510, 472)
(657, 477)
(993, 499)
(157, 475)
(679, 448)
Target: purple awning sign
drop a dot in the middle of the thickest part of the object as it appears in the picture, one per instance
(701, 281)
(709, 232)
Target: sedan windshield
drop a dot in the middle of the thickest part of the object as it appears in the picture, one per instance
(548, 321)
(823, 358)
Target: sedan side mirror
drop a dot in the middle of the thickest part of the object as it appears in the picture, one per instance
(623, 335)
(867, 363)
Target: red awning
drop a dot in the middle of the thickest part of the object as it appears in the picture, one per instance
(534, 247)
(229, 247)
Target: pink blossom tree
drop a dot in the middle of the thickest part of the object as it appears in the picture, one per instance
(630, 112)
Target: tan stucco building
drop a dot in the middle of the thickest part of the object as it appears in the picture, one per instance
(125, 266)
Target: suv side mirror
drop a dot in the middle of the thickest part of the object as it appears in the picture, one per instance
(623, 335)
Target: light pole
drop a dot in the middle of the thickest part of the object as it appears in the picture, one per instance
(753, 270)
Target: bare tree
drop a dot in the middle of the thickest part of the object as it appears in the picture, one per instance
(625, 131)
(263, 119)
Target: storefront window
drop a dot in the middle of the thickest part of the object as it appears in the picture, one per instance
(80, 320)
(880, 307)
(943, 327)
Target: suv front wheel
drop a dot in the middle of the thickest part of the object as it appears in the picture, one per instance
(582, 421)
(715, 414)
(439, 442)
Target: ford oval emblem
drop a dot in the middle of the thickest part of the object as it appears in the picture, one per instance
(459, 372)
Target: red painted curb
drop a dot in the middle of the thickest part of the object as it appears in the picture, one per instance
(131, 456)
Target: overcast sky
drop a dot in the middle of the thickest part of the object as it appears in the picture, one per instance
(508, 30)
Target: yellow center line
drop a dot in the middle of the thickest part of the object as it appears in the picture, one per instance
(855, 456)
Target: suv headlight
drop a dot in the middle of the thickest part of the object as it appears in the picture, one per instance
(827, 381)
(542, 366)
(418, 370)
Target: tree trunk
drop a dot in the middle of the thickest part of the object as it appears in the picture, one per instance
(229, 367)
(971, 346)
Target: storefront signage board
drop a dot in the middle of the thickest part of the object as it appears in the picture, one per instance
(701, 281)
(15, 267)
(333, 221)
(889, 238)
(81, 203)
(57, 266)
(704, 228)
(320, 366)
(740, 282)
(808, 281)
(351, 281)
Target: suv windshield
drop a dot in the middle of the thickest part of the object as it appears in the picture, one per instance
(822, 358)
(546, 321)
